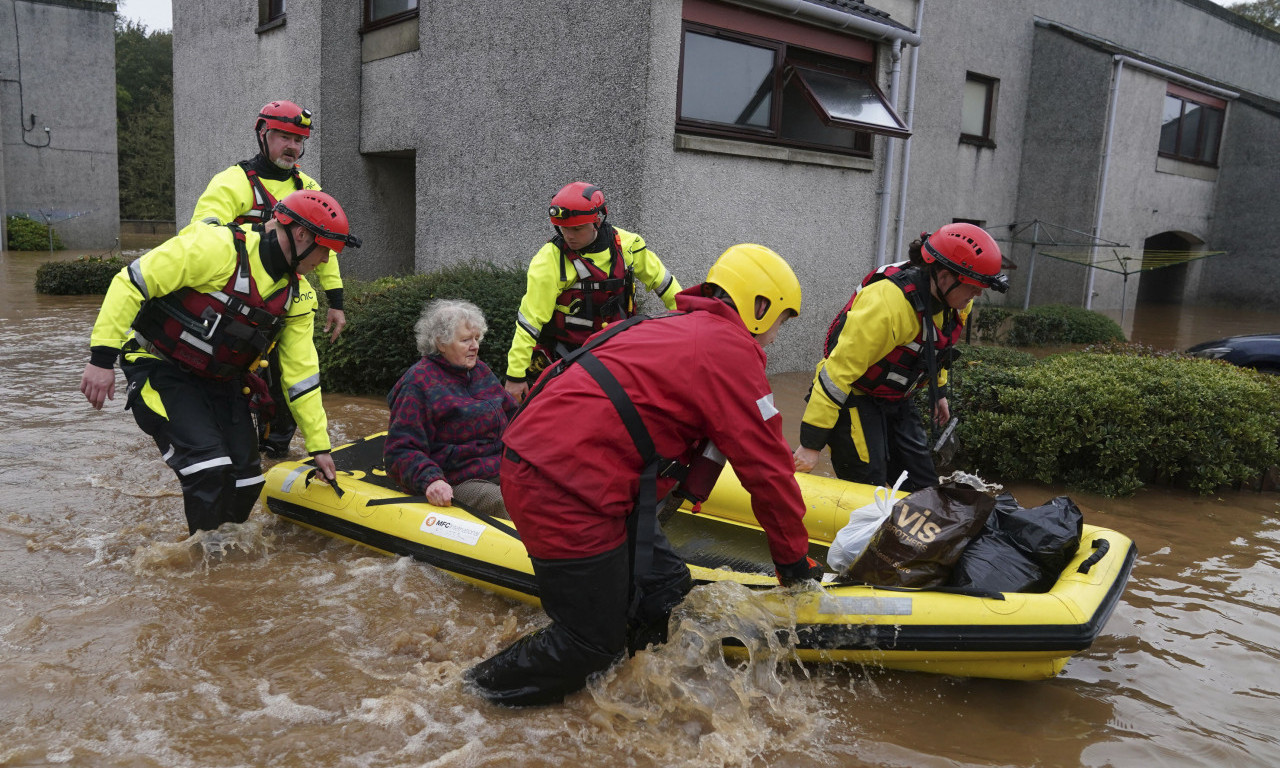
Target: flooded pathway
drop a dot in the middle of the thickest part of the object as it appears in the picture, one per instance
(122, 643)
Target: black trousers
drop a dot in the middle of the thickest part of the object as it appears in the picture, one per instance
(275, 434)
(207, 439)
(874, 440)
(597, 612)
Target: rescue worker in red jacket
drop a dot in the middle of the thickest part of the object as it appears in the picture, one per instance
(896, 335)
(246, 193)
(584, 499)
(581, 280)
(192, 318)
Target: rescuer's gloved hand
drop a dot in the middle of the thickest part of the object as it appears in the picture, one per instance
(803, 569)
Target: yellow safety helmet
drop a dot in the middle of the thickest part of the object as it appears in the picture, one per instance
(748, 271)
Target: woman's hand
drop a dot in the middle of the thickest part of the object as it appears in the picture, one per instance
(439, 493)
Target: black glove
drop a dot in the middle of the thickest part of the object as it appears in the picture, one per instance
(802, 569)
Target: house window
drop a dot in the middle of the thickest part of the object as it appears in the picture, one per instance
(1191, 129)
(270, 14)
(743, 86)
(381, 13)
(978, 109)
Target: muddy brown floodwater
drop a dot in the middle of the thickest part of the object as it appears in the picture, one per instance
(122, 643)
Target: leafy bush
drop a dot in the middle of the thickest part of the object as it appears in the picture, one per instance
(378, 343)
(987, 320)
(87, 274)
(1110, 423)
(27, 234)
(980, 372)
(1061, 324)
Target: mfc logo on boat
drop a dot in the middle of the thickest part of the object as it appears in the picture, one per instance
(453, 528)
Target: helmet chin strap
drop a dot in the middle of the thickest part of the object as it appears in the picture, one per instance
(293, 248)
(954, 284)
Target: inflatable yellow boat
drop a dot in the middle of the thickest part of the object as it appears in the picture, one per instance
(1017, 636)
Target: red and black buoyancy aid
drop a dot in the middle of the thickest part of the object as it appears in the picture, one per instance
(837, 325)
(898, 374)
(218, 335)
(594, 300)
(263, 201)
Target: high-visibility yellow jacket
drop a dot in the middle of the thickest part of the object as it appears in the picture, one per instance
(544, 286)
(880, 320)
(230, 195)
(203, 258)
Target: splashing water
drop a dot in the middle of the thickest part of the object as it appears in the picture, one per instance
(203, 550)
(716, 711)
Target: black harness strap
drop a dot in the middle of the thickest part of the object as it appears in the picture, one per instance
(643, 520)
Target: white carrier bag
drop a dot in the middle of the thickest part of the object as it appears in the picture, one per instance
(863, 522)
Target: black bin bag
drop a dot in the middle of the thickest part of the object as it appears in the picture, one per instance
(1021, 550)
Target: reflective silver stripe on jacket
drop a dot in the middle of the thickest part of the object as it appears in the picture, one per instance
(135, 277)
(834, 393)
(304, 386)
(667, 280)
(527, 326)
(255, 480)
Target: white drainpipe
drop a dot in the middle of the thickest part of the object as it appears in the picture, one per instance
(1102, 178)
(909, 118)
(882, 194)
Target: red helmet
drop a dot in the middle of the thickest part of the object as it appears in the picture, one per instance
(284, 116)
(969, 252)
(578, 203)
(319, 213)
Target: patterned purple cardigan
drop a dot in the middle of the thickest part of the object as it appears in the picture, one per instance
(446, 423)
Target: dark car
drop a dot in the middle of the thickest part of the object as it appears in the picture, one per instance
(1260, 351)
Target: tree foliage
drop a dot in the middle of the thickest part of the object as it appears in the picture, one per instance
(144, 121)
(1265, 12)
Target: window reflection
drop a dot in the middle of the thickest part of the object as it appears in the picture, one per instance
(726, 81)
(1190, 130)
(382, 9)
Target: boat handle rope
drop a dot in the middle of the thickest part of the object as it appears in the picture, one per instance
(1101, 545)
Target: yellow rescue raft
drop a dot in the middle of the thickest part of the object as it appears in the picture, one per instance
(1019, 636)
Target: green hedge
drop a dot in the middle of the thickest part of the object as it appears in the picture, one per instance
(87, 274)
(27, 234)
(1109, 423)
(1050, 324)
(378, 343)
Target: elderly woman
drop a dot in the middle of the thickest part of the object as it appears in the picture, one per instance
(448, 412)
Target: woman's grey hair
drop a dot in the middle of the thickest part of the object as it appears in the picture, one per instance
(441, 321)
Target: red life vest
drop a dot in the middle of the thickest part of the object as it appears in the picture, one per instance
(263, 201)
(595, 299)
(898, 374)
(218, 335)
